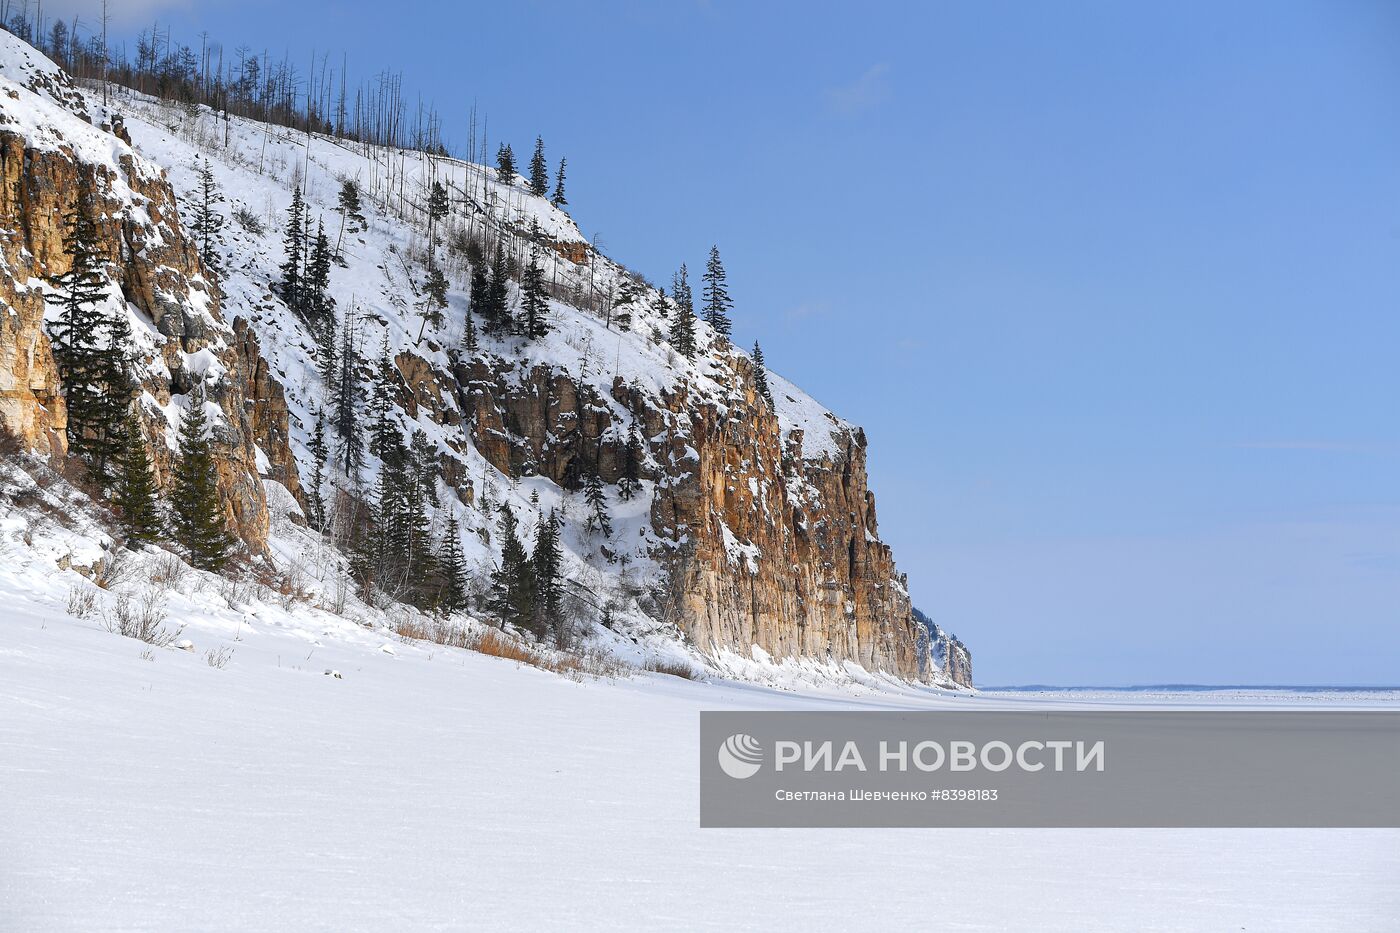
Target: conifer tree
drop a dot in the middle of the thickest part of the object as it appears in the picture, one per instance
(547, 566)
(539, 170)
(682, 333)
(661, 305)
(294, 244)
(349, 209)
(630, 482)
(207, 219)
(317, 303)
(196, 512)
(438, 206)
(760, 375)
(90, 345)
(500, 292)
(114, 404)
(134, 494)
(512, 584)
(558, 199)
(319, 453)
(534, 304)
(621, 314)
(382, 429)
(680, 290)
(404, 563)
(479, 296)
(469, 342)
(716, 293)
(367, 547)
(452, 567)
(598, 518)
(424, 463)
(622, 317)
(434, 297)
(505, 164)
(347, 399)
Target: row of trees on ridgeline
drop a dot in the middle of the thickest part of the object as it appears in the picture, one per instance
(538, 180)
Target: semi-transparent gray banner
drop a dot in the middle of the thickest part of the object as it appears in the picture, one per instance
(1067, 768)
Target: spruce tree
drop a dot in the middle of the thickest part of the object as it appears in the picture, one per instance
(547, 566)
(294, 245)
(661, 305)
(347, 399)
(452, 568)
(434, 296)
(196, 512)
(716, 293)
(114, 404)
(134, 494)
(512, 583)
(505, 165)
(479, 296)
(469, 342)
(680, 290)
(424, 463)
(90, 345)
(598, 518)
(558, 199)
(207, 219)
(438, 206)
(405, 564)
(534, 304)
(630, 482)
(349, 209)
(319, 453)
(382, 429)
(317, 303)
(539, 170)
(500, 292)
(367, 545)
(760, 375)
(682, 334)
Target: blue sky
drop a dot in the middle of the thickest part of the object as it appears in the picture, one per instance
(1114, 289)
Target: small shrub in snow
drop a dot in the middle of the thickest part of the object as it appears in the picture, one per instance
(143, 619)
(249, 221)
(82, 602)
(168, 572)
(111, 569)
(438, 631)
(218, 658)
(672, 668)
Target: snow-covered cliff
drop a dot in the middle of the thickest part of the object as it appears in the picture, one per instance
(753, 542)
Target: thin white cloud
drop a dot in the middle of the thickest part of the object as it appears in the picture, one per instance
(864, 93)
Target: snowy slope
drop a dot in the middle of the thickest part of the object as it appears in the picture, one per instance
(438, 789)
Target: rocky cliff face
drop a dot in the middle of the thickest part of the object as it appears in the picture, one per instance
(761, 546)
(155, 274)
